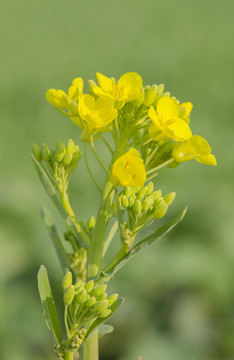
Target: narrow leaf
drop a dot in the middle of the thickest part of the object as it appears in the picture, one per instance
(47, 300)
(61, 252)
(114, 307)
(158, 234)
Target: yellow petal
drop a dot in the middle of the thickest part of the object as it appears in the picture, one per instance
(207, 160)
(102, 94)
(200, 145)
(177, 130)
(185, 109)
(168, 108)
(105, 83)
(154, 117)
(129, 87)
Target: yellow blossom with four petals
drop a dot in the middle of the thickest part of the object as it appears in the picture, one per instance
(170, 120)
(60, 99)
(128, 88)
(195, 148)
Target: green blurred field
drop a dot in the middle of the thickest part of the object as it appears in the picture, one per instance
(180, 293)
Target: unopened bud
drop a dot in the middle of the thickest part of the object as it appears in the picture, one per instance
(91, 222)
(70, 146)
(112, 299)
(128, 191)
(81, 297)
(91, 302)
(125, 201)
(169, 198)
(156, 195)
(67, 159)
(137, 103)
(150, 95)
(89, 286)
(45, 152)
(160, 209)
(99, 290)
(67, 280)
(69, 295)
(146, 205)
(137, 207)
(36, 152)
(131, 201)
(150, 188)
(105, 313)
(142, 193)
(100, 306)
(79, 284)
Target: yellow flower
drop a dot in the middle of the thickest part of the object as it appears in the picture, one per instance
(96, 113)
(170, 120)
(127, 89)
(195, 148)
(61, 100)
(128, 170)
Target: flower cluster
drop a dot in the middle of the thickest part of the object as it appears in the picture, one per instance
(145, 117)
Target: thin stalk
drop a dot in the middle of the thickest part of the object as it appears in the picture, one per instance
(151, 155)
(109, 238)
(107, 145)
(89, 171)
(160, 166)
(97, 157)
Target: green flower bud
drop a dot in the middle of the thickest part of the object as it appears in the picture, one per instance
(156, 195)
(125, 201)
(91, 302)
(69, 295)
(146, 205)
(100, 306)
(128, 191)
(102, 297)
(150, 95)
(59, 154)
(99, 290)
(89, 286)
(70, 146)
(36, 152)
(105, 313)
(81, 297)
(45, 152)
(137, 103)
(160, 209)
(142, 193)
(112, 299)
(91, 222)
(67, 159)
(169, 198)
(91, 85)
(137, 207)
(67, 280)
(150, 187)
(79, 284)
(132, 201)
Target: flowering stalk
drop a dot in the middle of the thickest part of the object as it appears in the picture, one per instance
(151, 133)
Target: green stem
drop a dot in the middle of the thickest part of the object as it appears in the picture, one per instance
(91, 348)
(88, 168)
(97, 157)
(69, 355)
(160, 166)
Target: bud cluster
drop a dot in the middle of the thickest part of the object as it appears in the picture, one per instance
(61, 161)
(86, 301)
(142, 205)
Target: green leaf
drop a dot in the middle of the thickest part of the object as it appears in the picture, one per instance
(104, 329)
(48, 220)
(50, 313)
(124, 257)
(114, 307)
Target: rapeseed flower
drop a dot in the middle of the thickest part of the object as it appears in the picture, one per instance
(195, 148)
(61, 100)
(128, 170)
(95, 114)
(128, 88)
(170, 120)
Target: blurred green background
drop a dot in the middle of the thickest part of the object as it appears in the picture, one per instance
(179, 293)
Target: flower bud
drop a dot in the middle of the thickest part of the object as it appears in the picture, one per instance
(128, 191)
(169, 198)
(150, 187)
(102, 297)
(142, 193)
(45, 152)
(36, 152)
(99, 290)
(105, 313)
(81, 297)
(70, 146)
(146, 204)
(67, 159)
(137, 207)
(150, 95)
(160, 209)
(79, 284)
(67, 280)
(125, 201)
(89, 286)
(91, 222)
(156, 194)
(91, 302)
(132, 201)
(69, 295)
(112, 299)
(100, 306)
(60, 152)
